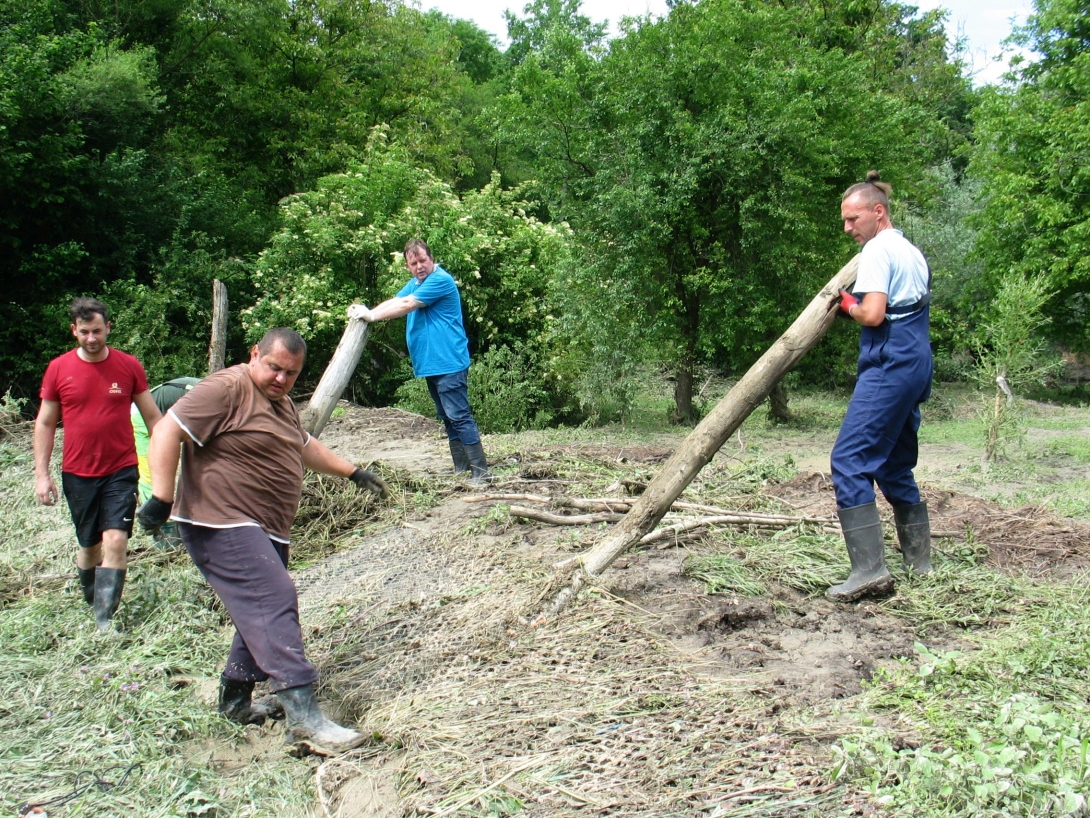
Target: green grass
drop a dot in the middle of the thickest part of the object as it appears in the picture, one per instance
(999, 727)
(73, 701)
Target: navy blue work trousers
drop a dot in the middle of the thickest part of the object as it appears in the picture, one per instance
(877, 441)
(248, 571)
(451, 396)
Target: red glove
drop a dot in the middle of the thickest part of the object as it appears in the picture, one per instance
(847, 301)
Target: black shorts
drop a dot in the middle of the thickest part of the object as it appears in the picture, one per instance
(101, 503)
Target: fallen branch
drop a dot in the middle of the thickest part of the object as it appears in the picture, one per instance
(564, 519)
(622, 505)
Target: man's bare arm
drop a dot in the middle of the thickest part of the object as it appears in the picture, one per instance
(164, 451)
(318, 457)
(45, 434)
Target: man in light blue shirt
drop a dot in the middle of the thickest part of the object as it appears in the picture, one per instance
(877, 442)
(439, 350)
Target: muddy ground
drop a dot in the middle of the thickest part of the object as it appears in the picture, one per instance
(797, 650)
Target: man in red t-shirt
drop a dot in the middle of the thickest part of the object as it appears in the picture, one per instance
(91, 389)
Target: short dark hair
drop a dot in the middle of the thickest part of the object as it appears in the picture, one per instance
(417, 244)
(873, 191)
(85, 309)
(291, 340)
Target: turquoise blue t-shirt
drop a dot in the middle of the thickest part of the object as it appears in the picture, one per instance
(435, 333)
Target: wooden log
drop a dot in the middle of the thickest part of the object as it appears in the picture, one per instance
(336, 377)
(706, 439)
(217, 348)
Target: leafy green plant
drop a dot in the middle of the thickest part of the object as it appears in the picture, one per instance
(1011, 356)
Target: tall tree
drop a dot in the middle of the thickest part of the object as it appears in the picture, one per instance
(701, 159)
(1033, 161)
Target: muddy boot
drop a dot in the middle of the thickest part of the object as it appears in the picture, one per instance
(458, 455)
(236, 703)
(87, 584)
(914, 535)
(863, 534)
(478, 464)
(108, 585)
(307, 724)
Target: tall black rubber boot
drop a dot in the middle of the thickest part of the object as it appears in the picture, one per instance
(306, 723)
(87, 584)
(109, 583)
(863, 535)
(458, 455)
(236, 702)
(478, 464)
(914, 535)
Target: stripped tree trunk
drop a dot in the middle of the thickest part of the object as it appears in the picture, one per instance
(217, 348)
(336, 377)
(707, 438)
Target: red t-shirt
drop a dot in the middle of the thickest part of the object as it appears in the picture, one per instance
(95, 401)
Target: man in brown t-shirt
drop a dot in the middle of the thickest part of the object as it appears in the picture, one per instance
(243, 451)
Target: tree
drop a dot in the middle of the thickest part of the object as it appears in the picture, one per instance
(1032, 159)
(80, 196)
(701, 161)
(342, 242)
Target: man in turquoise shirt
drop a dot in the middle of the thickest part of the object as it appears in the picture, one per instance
(439, 350)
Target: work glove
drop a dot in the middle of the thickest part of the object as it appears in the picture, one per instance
(361, 312)
(370, 481)
(153, 514)
(847, 301)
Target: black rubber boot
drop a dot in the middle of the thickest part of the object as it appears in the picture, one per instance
(236, 703)
(863, 535)
(109, 583)
(87, 584)
(458, 455)
(306, 723)
(914, 535)
(478, 464)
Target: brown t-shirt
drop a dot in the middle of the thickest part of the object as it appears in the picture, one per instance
(243, 462)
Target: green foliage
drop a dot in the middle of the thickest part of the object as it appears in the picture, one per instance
(1032, 160)
(943, 228)
(704, 203)
(342, 243)
(1010, 356)
(167, 324)
(1021, 755)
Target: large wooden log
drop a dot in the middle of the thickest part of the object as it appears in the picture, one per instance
(217, 348)
(336, 377)
(712, 432)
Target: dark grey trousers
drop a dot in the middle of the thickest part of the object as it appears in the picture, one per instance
(248, 571)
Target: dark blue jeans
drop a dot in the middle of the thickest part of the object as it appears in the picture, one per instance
(451, 396)
(877, 442)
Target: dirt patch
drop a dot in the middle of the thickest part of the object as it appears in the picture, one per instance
(443, 657)
(796, 650)
(392, 436)
(1027, 539)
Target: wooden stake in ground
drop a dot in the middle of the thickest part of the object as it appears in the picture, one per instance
(217, 349)
(707, 438)
(336, 377)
